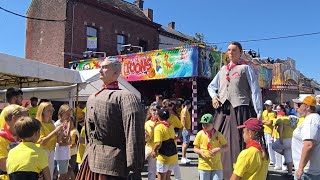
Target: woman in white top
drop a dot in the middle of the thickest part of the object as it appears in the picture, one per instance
(62, 152)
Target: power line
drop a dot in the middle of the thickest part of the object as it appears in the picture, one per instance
(250, 40)
(38, 19)
(272, 38)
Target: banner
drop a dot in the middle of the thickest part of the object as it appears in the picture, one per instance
(265, 77)
(209, 62)
(92, 43)
(86, 64)
(177, 63)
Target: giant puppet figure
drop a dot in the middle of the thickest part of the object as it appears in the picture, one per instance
(114, 126)
(236, 96)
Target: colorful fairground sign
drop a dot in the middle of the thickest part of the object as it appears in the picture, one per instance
(180, 62)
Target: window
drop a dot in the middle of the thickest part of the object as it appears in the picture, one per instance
(121, 40)
(92, 39)
(143, 44)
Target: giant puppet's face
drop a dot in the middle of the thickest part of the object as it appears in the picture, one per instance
(234, 53)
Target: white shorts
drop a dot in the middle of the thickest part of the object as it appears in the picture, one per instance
(163, 168)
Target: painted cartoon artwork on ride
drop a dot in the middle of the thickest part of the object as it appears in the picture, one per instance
(209, 62)
(265, 77)
(86, 64)
(160, 64)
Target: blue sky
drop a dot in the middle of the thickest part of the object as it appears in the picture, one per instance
(219, 21)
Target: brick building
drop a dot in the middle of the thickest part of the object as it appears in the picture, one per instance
(169, 37)
(97, 25)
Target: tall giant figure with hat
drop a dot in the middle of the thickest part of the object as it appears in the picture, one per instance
(236, 96)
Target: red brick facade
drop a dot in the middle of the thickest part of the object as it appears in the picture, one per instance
(51, 42)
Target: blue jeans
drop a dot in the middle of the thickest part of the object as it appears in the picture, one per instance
(210, 175)
(185, 137)
(306, 176)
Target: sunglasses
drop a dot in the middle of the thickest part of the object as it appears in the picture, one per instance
(154, 109)
(299, 104)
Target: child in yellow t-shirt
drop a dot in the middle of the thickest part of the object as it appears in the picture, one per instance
(150, 124)
(27, 161)
(165, 148)
(8, 138)
(268, 118)
(252, 162)
(81, 146)
(34, 108)
(208, 144)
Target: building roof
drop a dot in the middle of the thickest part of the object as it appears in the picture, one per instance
(125, 6)
(167, 30)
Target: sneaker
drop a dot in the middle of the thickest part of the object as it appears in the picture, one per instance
(188, 160)
(185, 160)
(271, 164)
(277, 168)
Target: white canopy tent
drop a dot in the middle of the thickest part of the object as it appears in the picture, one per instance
(94, 84)
(50, 82)
(20, 72)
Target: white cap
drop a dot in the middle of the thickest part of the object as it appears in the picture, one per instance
(268, 102)
(318, 96)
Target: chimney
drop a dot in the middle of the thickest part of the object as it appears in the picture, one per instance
(149, 13)
(139, 3)
(172, 25)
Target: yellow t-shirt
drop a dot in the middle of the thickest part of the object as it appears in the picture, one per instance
(288, 128)
(300, 121)
(33, 111)
(4, 177)
(275, 133)
(79, 112)
(4, 147)
(268, 116)
(45, 130)
(213, 162)
(2, 115)
(250, 165)
(174, 121)
(4, 150)
(81, 147)
(185, 113)
(163, 133)
(27, 157)
(149, 128)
